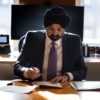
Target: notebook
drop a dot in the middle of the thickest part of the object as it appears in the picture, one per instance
(86, 85)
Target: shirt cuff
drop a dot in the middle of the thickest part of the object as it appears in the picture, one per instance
(25, 72)
(70, 75)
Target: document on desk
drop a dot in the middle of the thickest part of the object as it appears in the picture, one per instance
(4, 83)
(86, 85)
(47, 84)
(18, 89)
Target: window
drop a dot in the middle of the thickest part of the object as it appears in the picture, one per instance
(5, 16)
(92, 21)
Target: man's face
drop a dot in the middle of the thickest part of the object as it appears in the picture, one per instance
(55, 31)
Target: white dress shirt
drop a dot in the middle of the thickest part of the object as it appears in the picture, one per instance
(59, 58)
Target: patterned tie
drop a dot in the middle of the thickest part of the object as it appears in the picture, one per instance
(52, 62)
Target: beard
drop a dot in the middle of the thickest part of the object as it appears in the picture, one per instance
(54, 37)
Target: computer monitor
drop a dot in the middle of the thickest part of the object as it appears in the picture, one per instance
(30, 17)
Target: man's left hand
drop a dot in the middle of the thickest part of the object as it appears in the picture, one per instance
(60, 79)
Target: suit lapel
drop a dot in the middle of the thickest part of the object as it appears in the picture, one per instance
(65, 51)
(42, 48)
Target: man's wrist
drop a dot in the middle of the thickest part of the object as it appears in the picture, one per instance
(67, 76)
(25, 73)
(70, 75)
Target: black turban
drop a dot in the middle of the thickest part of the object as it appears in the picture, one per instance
(56, 15)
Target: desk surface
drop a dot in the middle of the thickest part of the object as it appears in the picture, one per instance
(83, 95)
(9, 58)
(92, 59)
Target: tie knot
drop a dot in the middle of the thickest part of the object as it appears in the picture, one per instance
(53, 43)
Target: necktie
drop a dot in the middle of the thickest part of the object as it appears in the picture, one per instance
(52, 62)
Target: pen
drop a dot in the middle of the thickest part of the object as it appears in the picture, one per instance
(71, 84)
(10, 84)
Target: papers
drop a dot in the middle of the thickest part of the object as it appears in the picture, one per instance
(18, 89)
(4, 83)
(13, 96)
(47, 84)
(86, 85)
(52, 96)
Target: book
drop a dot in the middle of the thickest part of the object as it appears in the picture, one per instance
(47, 84)
(86, 85)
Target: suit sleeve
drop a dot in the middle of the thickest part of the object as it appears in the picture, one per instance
(80, 68)
(21, 63)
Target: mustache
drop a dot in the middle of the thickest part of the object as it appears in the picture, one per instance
(54, 37)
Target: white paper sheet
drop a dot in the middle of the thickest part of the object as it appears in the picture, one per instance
(18, 89)
(4, 83)
(47, 84)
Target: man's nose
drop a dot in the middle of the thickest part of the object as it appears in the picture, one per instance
(55, 32)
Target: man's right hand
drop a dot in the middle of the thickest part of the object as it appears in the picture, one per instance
(33, 73)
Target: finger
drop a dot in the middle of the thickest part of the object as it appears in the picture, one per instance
(63, 80)
(53, 80)
(29, 74)
(37, 75)
(36, 69)
(56, 80)
(33, 72)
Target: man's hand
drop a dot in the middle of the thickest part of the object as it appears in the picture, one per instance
(33, 73)
(60, 79)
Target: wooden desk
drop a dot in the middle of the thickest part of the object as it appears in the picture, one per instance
(83, 95)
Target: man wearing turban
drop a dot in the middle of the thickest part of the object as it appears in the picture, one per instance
(33, 62)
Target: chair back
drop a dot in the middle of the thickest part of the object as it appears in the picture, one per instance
(21, 43)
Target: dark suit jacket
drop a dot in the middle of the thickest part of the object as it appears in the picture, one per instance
(32, 54)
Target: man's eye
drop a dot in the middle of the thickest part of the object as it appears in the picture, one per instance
(51, 29)
(59, 29)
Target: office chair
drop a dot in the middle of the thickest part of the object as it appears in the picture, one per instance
(21, 43)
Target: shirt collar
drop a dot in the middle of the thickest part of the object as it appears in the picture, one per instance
(48, 41)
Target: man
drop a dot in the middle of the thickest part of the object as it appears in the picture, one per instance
(34, 62)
